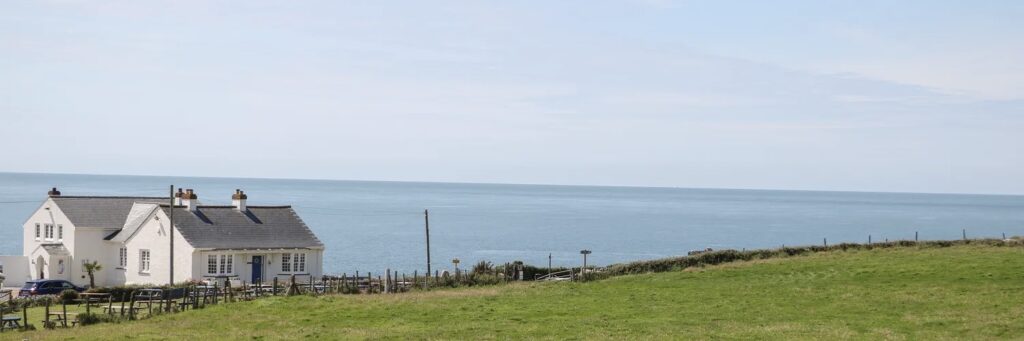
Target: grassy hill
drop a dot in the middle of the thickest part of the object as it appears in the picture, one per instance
(970, 291)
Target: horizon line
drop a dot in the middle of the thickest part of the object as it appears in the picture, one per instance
(518, 184)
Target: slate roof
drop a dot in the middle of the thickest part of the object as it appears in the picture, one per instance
(213, 227)
(102, 212)
(262, 227)
(56, 249)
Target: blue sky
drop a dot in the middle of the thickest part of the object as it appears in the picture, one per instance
(922, 96)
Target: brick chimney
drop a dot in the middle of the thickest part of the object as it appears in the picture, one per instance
(177, 197)
(53, 192)
(188, 199)
(238, 200)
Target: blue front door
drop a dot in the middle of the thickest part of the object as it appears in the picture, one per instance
(257, 269)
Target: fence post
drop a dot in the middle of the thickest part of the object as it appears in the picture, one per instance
(24, 316)
(131, 306)
(123, 299)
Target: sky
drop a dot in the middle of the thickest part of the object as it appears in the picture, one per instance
(905, 96)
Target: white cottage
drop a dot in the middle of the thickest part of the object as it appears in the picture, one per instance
(130, 237)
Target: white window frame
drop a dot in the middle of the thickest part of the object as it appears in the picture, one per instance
(144, 260)
(286, 262)
(122, 258)
(60, 232)
(294, 262)
(211, 263)
(48, 231)
(222, 263)
(299, 263)
(38, 228)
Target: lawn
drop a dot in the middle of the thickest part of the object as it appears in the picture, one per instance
(957, 292)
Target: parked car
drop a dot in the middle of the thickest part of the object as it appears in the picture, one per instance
(47, 287)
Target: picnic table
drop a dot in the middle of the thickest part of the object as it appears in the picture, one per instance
(93, 297)
(10, 322)
(62, 318)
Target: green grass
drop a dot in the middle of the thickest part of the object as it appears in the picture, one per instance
(970, 291)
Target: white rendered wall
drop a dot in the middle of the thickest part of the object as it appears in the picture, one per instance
(43, 217)
(153, 235)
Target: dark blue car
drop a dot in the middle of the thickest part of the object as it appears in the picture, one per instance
(47, 287)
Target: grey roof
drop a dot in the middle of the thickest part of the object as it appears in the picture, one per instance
(261, 227)
(103, 212)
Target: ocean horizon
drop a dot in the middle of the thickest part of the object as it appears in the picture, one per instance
(377, 225)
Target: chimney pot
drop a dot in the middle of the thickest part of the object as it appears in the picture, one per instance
(53, 192)
(238, 200)
(188, 199)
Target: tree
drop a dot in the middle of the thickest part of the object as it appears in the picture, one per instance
(91, 268)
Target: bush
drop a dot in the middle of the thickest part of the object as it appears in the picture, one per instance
(123, 292)
(68, 296)
(726, 256)
(483, 267)
(86, 319)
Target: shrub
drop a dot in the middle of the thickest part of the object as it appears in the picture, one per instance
(86, 319)
(726, 256)
(68, 296)
(482, 267)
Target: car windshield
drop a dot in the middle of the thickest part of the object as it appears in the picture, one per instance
(29, 285)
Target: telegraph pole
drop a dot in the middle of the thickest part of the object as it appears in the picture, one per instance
(549, 265)
(426, 225)
(170, 217)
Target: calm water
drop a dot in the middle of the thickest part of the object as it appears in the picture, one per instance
(369, 226)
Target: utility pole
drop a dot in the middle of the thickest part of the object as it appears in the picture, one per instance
(426, 225)
(170, 217)
(549, 265)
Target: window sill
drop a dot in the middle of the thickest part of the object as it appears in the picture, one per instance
(144, 273)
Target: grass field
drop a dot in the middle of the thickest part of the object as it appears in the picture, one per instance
(972, 291)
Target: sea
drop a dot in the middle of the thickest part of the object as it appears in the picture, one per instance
(376, 225)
